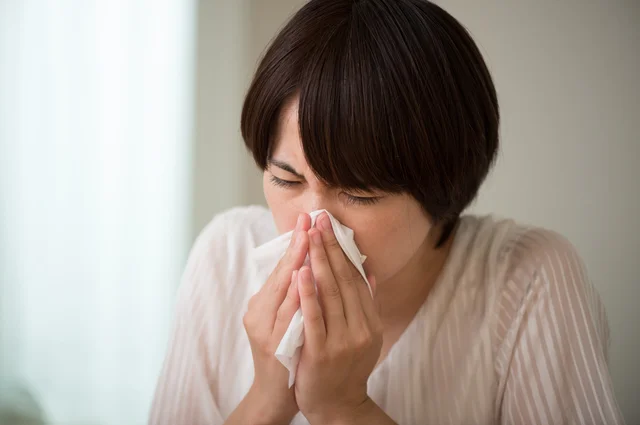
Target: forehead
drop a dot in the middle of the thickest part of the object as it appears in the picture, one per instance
(287, 142)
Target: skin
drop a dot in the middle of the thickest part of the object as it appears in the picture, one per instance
(347, 332)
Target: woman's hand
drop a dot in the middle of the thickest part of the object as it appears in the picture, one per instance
(342, 330)
(269, 313)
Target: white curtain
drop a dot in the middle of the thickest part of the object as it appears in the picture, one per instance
(95, 134)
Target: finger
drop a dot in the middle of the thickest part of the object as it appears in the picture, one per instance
(328, 289)
(296, 251)
(275, 297)
(288, 308)
(276, 288)
(315, 331)
(347, 276)
(340, 264)
(292, 259)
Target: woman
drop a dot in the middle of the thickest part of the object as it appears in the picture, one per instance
(383, 113)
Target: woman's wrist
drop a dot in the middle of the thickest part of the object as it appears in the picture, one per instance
(257, 408)
(268, 411)
(343, 416)
(368, 412)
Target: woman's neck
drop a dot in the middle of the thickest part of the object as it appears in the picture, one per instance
(402, 296)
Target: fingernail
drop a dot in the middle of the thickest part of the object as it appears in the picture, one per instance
(304, 280)
(316, 238)
(325, 224)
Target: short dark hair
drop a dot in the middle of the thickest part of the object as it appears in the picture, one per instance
(393, 95)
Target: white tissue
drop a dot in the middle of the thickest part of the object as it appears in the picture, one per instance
(265, 259)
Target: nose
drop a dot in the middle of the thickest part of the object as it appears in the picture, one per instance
(314, 201)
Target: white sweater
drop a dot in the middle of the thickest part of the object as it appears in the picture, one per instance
(513, 332)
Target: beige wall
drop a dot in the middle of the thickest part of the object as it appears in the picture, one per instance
(567, 75)
(232, 35)
(221, 169)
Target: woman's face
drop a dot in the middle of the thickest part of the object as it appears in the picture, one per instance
(389, 229)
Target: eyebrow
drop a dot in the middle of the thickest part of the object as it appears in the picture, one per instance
(286, 167)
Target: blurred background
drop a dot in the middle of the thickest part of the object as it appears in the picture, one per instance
(119, 140)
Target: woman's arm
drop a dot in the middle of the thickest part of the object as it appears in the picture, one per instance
(191, 384)
(183, 392)
(255, 410)
(554, 355)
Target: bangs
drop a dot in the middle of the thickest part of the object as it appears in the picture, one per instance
(349, 100)
(349, 133)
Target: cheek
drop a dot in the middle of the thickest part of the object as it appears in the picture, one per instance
(389, 245)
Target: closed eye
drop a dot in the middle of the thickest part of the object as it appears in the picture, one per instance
(349, 199)
(283, 183)
(361, 200)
